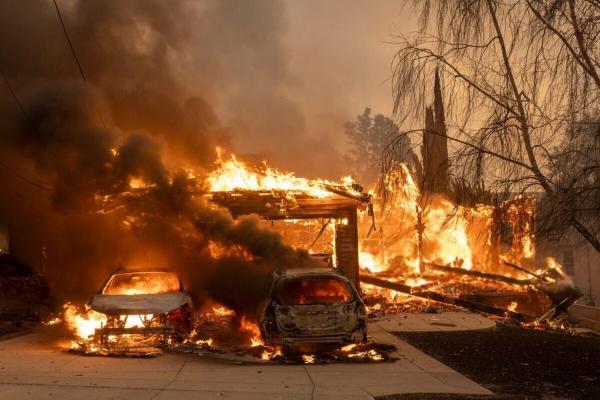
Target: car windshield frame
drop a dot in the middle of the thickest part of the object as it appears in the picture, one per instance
(108, 287)
(280, 287)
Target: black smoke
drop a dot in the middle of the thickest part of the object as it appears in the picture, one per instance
(71, 146)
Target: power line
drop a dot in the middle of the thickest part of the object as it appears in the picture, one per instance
(12, 93)
(22, 109)
(24, 179)
(62, 23)
(69, 40)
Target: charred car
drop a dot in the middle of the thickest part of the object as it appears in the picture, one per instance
(309, 309)
(143, 302)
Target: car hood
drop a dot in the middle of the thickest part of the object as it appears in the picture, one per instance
(139, 303)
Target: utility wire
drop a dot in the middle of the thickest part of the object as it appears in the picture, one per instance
(22, 109)
(62, 23)
(24, 179)
(12, 93)
(69, 40)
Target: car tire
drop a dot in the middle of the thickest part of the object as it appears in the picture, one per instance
(289, 351)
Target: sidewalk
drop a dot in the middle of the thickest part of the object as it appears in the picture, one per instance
(31, 368)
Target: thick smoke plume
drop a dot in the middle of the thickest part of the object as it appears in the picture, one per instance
(72, 146)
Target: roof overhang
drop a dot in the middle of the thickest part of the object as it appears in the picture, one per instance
(274, 204)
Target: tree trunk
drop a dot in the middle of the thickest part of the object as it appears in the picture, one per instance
(524, 123)
(522, 116)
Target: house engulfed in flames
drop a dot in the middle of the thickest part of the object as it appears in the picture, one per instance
(402, 241)
(320, 216)
(393, 245)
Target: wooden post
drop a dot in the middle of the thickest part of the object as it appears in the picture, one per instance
(346, 247)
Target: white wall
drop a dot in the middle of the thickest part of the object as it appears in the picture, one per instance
(585, 263)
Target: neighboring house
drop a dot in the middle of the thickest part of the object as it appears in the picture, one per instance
(579, 259)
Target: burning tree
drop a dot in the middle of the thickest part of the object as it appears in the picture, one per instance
(518, 76)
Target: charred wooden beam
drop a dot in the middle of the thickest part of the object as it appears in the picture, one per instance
(519, 268)
(478, 274)
(443, 298)
(273, 205)
(362, 197)
(340, 206)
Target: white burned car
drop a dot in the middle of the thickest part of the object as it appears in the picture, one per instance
(143, 302)
(312, 308)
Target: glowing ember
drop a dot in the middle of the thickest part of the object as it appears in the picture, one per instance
(348, 347)
(269, 354)
(369, 354)
(53, 321)
(204, 342)
(138, 183)
(222, 311)
(308, 358)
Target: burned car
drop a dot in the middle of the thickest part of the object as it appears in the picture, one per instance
(309, 309)
(143, 302)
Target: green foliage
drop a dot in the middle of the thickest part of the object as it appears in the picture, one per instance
(367, 138)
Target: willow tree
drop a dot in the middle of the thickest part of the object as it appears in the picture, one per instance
(518, 76)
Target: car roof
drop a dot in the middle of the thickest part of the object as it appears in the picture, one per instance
(308, 271)
(134, 269)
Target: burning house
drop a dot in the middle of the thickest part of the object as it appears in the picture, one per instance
(252, 220)
(334, 209)
(482, 257)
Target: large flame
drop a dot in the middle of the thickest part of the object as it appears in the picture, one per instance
(418, 231)
(84, 323)
(233, 174)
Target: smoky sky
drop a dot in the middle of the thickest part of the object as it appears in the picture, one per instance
(279, 78)
(165, 82)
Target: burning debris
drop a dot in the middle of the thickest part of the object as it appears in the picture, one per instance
(430, 249)
(211, 336)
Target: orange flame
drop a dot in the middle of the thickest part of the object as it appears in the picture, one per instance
(251, 327)
(83, 323)
(222, 311)
(233, 174)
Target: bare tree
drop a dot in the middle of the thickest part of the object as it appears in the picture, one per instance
(518, 76)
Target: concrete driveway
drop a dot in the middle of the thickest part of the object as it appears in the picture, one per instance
(35, 367)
